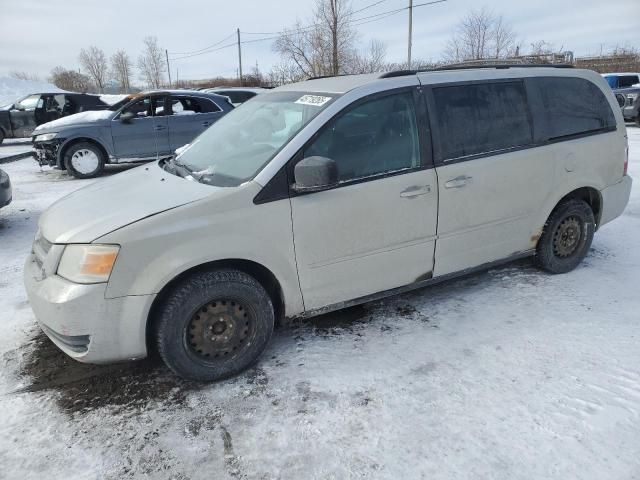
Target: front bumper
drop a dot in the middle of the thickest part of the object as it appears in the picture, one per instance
(82, 322)
(46, 153)
(631, 112)
(615, 199)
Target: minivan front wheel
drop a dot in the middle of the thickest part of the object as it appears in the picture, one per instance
(84, 160)
(566, 237)
(214, 324)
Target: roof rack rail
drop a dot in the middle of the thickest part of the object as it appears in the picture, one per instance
(498, 66)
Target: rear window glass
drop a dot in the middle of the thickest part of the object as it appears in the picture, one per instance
(625, 81)
(481, 118)
(573, 106)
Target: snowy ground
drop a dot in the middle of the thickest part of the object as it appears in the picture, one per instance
(14, 146)
(509, 374)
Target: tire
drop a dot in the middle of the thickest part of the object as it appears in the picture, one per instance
(636, 121)
(1, 136)
(229, 305)
(84, 160)
(566, 237)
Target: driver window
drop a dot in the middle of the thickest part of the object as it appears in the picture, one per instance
(140, 108)
(375, 137)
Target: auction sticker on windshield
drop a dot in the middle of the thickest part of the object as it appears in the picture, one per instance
(315, 100)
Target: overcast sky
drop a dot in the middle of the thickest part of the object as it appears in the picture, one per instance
(37, 35)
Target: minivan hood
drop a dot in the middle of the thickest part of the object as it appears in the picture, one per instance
(91, 117)
(112, 203)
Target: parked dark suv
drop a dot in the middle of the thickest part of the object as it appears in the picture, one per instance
(148, 126)
(22, 117)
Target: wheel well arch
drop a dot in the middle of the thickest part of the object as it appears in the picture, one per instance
(590, 195)
(73, 141)
(262, 274)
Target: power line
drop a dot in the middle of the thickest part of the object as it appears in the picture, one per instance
(274, 35)
(355, 22)
(208, 51)
(205, 48)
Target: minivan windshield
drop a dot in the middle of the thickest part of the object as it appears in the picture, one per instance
(236, 147)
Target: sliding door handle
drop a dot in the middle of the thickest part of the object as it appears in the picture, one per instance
(457, 182)
(415, 191)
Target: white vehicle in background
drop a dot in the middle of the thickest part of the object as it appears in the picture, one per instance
(237, 95)
(358, 187)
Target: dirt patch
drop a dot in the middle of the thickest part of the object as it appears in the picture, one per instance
(344, 319)
(81, 387)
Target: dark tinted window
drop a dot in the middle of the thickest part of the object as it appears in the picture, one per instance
(481, 118)
(573, 106)
(625, 81)
(235, 96)
(377, 136)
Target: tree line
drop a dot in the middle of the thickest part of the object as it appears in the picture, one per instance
(99, 72)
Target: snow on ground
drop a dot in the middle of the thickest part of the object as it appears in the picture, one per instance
(508, 374)
(14, 146)
(12, 89)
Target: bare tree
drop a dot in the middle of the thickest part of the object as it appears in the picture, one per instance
(24, 76)
(94, 63)
(151, 63)
(121, 70)
(481, 35)
(372, 60)
(285, 72)
(326, 47)
(70, 80)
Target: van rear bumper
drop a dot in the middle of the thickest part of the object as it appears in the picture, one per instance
(615, 199)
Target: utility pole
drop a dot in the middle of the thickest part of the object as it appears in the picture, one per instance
(239, 58)
(410, 34)
(166, 53)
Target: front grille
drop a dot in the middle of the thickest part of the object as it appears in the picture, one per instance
(75, 343)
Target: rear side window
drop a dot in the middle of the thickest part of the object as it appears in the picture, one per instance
(481, 118)
(573, 106)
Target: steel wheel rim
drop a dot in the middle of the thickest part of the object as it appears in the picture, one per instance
(567, 236)
(85, 161)
(220, 329)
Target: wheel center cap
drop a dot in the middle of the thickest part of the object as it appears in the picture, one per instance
(219, 327)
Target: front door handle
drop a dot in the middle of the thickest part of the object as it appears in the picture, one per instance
(457, 182)
(157, 128)
(415, 190)
(206, 124)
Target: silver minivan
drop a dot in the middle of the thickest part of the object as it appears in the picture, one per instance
(324, 194)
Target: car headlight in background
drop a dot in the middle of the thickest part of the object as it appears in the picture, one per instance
(88, 263)
(45, 137)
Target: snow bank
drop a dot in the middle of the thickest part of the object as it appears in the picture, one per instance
(12, 89)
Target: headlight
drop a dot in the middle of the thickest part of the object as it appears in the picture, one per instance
(45, 137)
(87, 263)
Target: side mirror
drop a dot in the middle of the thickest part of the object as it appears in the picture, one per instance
(126, 117)
(313, 174)
(18, 107)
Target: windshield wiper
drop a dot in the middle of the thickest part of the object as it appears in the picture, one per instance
(178, 168)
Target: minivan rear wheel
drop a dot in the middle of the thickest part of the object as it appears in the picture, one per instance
(214, 324)
(566, 237)
(84, 160)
